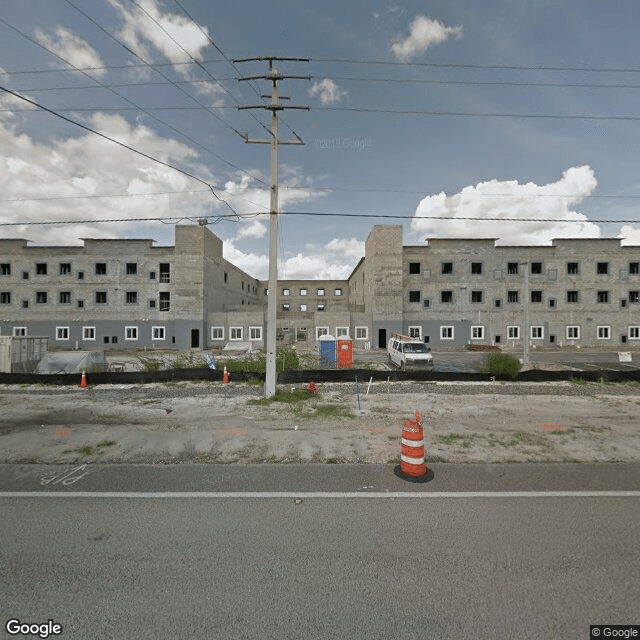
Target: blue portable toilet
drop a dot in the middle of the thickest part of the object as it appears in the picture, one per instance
(327, 352)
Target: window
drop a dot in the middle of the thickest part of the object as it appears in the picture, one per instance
(64, 297)
(414, 268)
(602, 297)
(447, 268)
(165, 272)
(131, 333)
(217, 333)
(65, 268)
(321, 307)
(320, 292)
(634, 333)
(342, 332)
(321, 331)
(5, 268)
(512, 296)
(573, 296)
(476, 296)
(62, 333)
(132, 268)
(536, 268)
(602, 268)
(152, 304)
(634, 296)
(477, 333)
(304, 292)
(552, 303)
(41, 269)
(286, 292)
(25, 275)
(80, 304)
(362, 333)
(41, 297)
(512, 268)
(337, 292)
(513, 332)
(101, 297)
(573, 269)
(426, 303)
(19, 331)
(235, 333)
(25, 304)
(80, 275)
(101, 268)
(286, 307)
(303, 307)
(498, 303)
(634, 268)
(157, 333)
(415, 332)
(537, 332)
(5, 297)
(536, 296)
(414, 296)
(255, 333)
(446, 297)
(88, 333)
(165, 301)
(131, 297)
(476, 268)
(226, 277)
(604, 333)
(573, 332)
(446, 333)
(152, 275)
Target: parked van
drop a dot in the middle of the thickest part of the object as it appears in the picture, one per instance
(409, 353)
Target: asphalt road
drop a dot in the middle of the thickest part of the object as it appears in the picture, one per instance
(320, 551)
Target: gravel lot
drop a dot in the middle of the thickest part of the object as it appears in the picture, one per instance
(216, 423)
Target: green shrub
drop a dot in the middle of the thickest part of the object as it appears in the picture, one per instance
(286, 358)
(501, 364)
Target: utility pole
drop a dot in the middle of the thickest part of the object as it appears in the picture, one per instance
(272, 299)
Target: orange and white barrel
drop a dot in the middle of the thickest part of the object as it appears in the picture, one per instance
(412, 452)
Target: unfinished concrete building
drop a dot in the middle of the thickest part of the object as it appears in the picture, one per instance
(448, 292)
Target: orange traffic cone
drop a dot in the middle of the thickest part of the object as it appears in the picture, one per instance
(83, 380)
(412, 452)
(225, 376)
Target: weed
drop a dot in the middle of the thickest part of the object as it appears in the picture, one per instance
(106, 443)
(331, 411)
(152, 365)
(453, 438)
(501, 364)
(86, 451)
(288, 397)
(580, 381)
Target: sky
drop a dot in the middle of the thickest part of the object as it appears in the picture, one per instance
(508, 119)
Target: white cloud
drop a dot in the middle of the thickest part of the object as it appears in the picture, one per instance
(423, 33)
(508, 200)
(629, 235)
(87, 165)
(334, 260)
(160, 30)
(328, 91)
(72, 48)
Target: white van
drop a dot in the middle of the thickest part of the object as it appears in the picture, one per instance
(408, 353)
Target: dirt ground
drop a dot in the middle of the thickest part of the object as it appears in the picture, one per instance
(216, 423)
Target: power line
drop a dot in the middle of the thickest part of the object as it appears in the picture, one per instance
(242, 216)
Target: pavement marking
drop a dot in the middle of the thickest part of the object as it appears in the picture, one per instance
(319, 494)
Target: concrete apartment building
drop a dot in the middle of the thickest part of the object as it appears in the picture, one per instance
(448, 292)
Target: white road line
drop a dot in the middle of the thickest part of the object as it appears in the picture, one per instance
(320, 494)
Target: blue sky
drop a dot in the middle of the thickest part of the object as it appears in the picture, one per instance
(458, 119)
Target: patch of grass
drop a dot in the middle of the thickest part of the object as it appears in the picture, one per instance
(331, 411)
(580, 381)
(152, 365)
(501, 364)
(288, 397)
(86, 451)
(453, 438)
(106, 443)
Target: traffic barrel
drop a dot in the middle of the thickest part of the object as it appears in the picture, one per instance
(83, 380)
(225, 376)
(412, 451)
